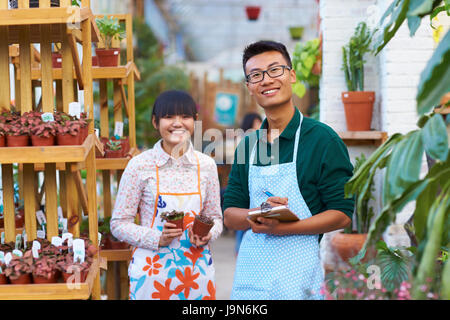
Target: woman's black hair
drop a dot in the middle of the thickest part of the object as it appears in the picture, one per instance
(174, 102)
(265, 46)
(248, 120)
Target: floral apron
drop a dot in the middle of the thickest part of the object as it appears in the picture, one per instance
(278, 267)
(180, 270)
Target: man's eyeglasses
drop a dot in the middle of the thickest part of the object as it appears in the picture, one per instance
(274, 72)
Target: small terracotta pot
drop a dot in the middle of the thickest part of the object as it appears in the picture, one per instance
(118, 245)
(94, 61)
(358, 106)
(252, 12)
(201, 228)
(113, 153)
(53, 278)
(17, 141)
(348, 245)
(23, 279)
(67, 139)
(56, 60)
(108, 57)
(178, 223)
(2, 141)
(42, 141)
(84, 132)
(20, 220)
(83, 276)
(3, 279)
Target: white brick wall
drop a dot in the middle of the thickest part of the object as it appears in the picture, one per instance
(393, 74)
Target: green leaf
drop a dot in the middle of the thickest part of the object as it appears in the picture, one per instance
(404, 165)
(435, 138)
(299, 89)
(413, 25)
(420, 7)
(435, 78)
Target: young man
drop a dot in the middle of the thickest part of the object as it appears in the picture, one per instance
(307, 168)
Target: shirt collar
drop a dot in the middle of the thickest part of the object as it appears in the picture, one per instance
(290, 130)
(162, 157)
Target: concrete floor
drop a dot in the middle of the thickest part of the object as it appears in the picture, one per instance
(224, 261)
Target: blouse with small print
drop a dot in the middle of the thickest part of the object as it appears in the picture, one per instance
(155, 182)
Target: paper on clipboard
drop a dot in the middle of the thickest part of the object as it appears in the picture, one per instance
(281, 213)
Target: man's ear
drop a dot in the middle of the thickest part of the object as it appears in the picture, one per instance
(248, 89)
(293, 76)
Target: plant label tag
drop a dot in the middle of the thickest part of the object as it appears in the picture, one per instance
(40, 216)
(40, 234)
(1, 271)
(2, 256)
(57, 241)
(47, 117)
(118, 129)
(64, 225)
(8, 258)
(78, 250)
(36, 245)
(18, 241)
(99, 238)
(75, 109)
(97, 132)
(35, 252)
(60, 213)
(3, 238)
(25, 239)
(17, 253)
(69, 238)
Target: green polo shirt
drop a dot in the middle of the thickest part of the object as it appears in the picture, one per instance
(323, 165)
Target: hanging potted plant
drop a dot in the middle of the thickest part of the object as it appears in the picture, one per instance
(67, 133)
(110, 29)
(358, 104)
(349, 242)
(202, 225)
(175, 217)
(296, 32)
(252, 12)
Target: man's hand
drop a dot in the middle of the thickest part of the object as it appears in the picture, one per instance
(263, 225)
(277, 201)
(168, 234)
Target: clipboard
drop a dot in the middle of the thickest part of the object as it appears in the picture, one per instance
(281, 213)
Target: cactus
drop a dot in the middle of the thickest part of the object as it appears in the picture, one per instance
(353, 57)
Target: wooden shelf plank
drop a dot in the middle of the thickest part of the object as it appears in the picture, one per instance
(52, 291)
(53, 154)
(111, 163)
(116, 255)
(37, 16)
(352, 138)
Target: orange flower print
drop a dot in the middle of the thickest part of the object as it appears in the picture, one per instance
(163, 292)
(211, 291)
(187, 281)
(152, 266)
(194, 254)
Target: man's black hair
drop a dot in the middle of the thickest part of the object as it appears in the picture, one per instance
(265, 46)
(174, 102)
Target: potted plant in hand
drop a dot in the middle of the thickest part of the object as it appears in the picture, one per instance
(68, 133)
(202, 225)
(43, 134)
(358, 104)
(349, 242)
(113, 149)
(19, 269)
(175, 217)
(110, 29)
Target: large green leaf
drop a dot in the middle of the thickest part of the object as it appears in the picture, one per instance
(404, 165)
(435, 138)
(435, 78)
(445, 291)
(420, 7)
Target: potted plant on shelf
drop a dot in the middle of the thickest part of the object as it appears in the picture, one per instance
(296, 32)
(19, 269)
(68, 268)
(110, 29)
(67, 133)
(349, 242)
(252, 12)
(3, 278)
(202, 225)
(175, 217)
(43, 134)
(113, 149)
(358, 104)
(44, 270)
(17, 134)
(2, 134)
(306, 60)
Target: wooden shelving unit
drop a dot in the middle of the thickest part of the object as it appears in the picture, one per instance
(357, 138)
(46, 25)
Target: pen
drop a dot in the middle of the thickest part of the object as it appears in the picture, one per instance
(267, 193)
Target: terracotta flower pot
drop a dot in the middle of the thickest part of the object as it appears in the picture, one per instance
(23, 279)
(17, 141)
(108, 57)
(42, 141)
(296, 32)
(2, 141)
(20, 220)
(67, 140)
(94, 61)
(358, 106)
(53, 278)
(113, 153)
(83, 276)
(56, 60)
(3, 279)
(84, 132)
(200, 227)
(348, 245)
(118, 245)
(178, 223)
(252, 12)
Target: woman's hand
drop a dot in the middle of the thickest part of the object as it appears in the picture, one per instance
(168, 234)
(196, 240)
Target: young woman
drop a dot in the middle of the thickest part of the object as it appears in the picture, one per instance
(169, 263)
